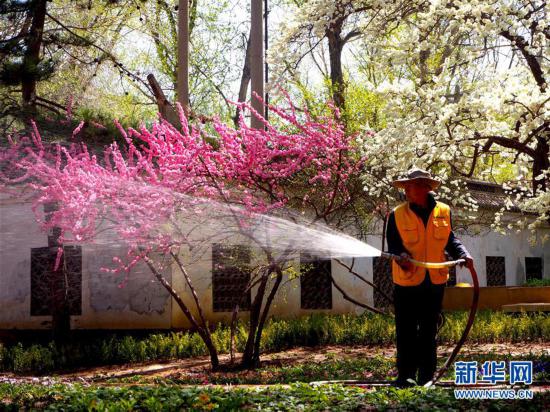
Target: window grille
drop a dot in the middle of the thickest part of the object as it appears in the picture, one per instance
(230, 278)
(533, 268)
(495, 269)
(51, 291)
(315, 283)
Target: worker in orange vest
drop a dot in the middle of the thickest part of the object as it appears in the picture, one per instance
(419, 229)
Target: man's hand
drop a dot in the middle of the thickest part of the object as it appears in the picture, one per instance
(404, 262)
(468, 262)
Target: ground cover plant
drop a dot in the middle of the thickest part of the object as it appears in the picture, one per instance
(276, 398)
(361, 367)
(315, 330)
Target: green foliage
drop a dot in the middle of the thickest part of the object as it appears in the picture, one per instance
(322, 329)
(314, 330)
(36, 358)
(75, 40)
(12, 71)
(537, 282)
(363, 107)
(123, 108)
(277, 398)
(498, 327)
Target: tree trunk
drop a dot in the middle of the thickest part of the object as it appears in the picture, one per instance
(245, 80)
(335, 46)
(31, 57)
(166, 110)
(61, 314)
(541, 163)
(203, 331)
(269, 301)
(248, 358)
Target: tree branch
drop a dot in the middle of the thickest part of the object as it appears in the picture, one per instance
(531, 60)
(352, 300)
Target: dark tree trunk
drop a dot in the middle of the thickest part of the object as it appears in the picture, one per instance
(258, 339)
(335, 46)
(245, 80)
(166, 110)
(31, 57)
(61, 315)
(541, 163)
(248, 360)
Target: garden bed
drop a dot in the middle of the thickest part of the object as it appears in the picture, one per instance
(177, 375)
(279, 335)
(294, 397)
(494, 297)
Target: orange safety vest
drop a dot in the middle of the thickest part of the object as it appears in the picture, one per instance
(424, 243)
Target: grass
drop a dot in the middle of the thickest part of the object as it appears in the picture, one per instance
(367, 329)
(537, 282)
(298, 396)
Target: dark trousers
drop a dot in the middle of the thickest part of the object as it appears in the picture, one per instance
(417, 310)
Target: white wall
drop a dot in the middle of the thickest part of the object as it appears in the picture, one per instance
(143, 303)
(18, 234)
(513, 246)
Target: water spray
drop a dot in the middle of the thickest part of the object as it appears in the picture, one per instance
(213, 221)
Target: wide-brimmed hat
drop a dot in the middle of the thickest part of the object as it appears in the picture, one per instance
(417, 175)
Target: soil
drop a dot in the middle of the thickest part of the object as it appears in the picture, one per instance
(293, 356)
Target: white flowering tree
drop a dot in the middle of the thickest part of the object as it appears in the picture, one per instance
(473, 97)
(463, 86)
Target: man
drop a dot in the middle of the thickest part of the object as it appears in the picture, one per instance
(420, 229)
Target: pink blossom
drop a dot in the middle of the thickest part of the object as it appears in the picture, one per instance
(140, 187)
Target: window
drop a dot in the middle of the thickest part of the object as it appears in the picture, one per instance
(533, 268)
(54, 291)
(382, 278)
(315, 283)
(230, 277)
(495, 268)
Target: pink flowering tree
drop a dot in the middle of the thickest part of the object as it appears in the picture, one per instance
(166, 184)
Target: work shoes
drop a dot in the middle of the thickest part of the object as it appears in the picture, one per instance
(402, 383)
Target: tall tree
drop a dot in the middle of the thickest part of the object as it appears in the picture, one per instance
(471, 98)
(336, 23)
(216, 52)
(26, 47)
(40, 38)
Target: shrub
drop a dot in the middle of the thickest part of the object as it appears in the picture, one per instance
(279, 334)
(36, 358)
(537, 282)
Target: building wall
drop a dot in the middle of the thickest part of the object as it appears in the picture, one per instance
(112, 301)
(18, 234)
(287, 301)
(515, 247)
(144, 303)
(141, 303)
